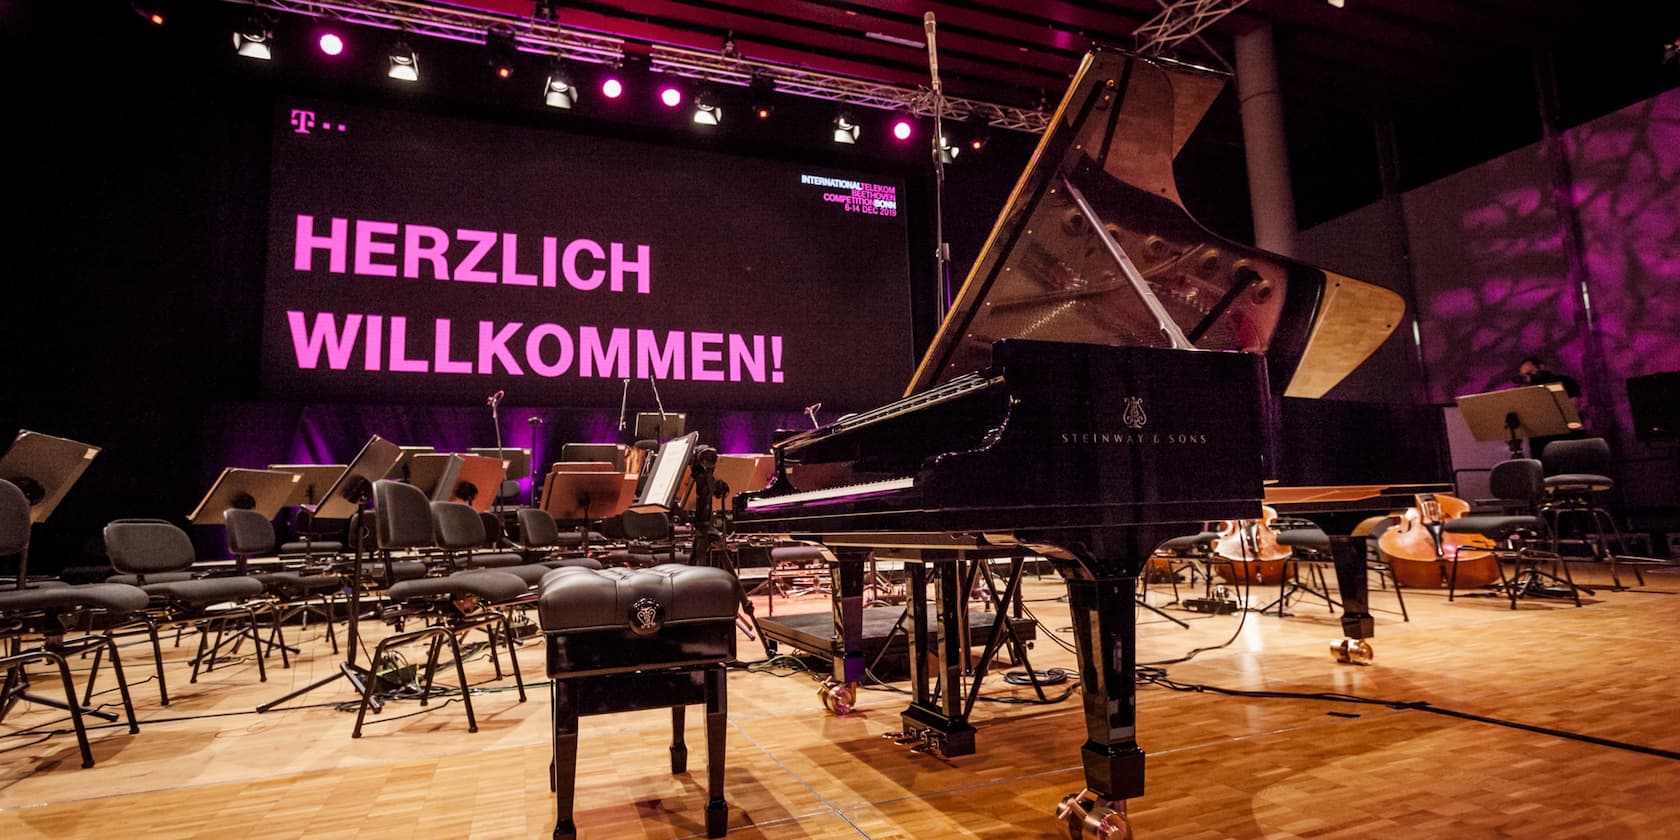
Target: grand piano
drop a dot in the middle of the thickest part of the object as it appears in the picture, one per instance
(1100, 384)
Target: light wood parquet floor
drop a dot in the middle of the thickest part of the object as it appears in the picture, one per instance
(1219, 766)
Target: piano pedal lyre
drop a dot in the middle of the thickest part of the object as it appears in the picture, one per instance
(837, 698)
(1352, 651)
(1087, 816)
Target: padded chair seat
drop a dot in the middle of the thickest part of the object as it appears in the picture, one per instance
(795, 554)
(1313, 539)
(1578, 482)
(160, 577)
(205, 591)
(297, 583)
(573, 539)
(114, 597)
(312, 547)
(1192, 543)
(495, 560)
(402, 569)
(532, 575)
(1493, 526)
(575, 599)
(563, 562)
(493, 586)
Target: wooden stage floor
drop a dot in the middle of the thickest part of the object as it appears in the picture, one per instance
(1219, 766)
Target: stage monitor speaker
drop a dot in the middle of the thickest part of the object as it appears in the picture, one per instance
(1655, 403)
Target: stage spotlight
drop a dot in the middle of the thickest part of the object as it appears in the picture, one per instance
(901, 129)
(706, 108)
(845, 129)
(499, 41)
(152, 13)
(405, 63)
(561, 91)
(947, 151)
(977, 143)
(762, 91)
(331, 44)
(612, 88)
(670, 96)
(252, 40)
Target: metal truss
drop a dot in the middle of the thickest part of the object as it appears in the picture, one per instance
(1179, 21)
(549, 38)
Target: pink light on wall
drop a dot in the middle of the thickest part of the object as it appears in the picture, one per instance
(671, 97)
(331, 44)
(612, 88)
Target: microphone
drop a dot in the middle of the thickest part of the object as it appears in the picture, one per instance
(933, 51)
(495, 399)
(811, 412)
(623, 400)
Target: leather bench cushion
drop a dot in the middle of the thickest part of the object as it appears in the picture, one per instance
(575, 598)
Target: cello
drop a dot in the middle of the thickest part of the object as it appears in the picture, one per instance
(1248, 552)
(1422, 556)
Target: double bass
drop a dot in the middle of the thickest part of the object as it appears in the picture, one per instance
(1248, 552)
(1422, 555)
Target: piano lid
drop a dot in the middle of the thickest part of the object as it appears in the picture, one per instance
(1095, 246)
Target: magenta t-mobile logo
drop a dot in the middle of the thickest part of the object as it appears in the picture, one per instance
(302, 120)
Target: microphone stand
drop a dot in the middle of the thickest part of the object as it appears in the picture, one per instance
(495, 402)
(536, 490)
(654, 383)
(623, 402)
(941, 250)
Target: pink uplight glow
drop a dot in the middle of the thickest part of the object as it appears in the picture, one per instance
(612, 88)
(901, 129)
(332, 44)
(671, 97)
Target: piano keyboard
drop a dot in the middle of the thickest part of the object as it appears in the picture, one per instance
(844, 491)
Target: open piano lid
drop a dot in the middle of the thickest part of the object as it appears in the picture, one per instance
(1095, 246)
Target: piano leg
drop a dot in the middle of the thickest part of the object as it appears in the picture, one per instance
(1104, 612)
(849, 662)
(1357, 623)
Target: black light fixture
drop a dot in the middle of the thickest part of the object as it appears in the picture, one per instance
(707, 110)
(499, 41)
(846, 129)
(761, 92)
(253, 39)
(405, 63)
(561, 91)
(947, 150)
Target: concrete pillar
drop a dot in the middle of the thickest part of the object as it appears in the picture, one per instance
(1270, 197)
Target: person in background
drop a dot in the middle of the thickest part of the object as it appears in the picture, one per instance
(1533, 371)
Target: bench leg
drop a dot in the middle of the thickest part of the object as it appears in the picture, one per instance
(565, 757)
(679, 749)
(717, 709)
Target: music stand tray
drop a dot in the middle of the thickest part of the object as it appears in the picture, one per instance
(1526, 412)
(582, 496)
(399, 470)
(313, 481)
(264, 491)
(518, 460)
(44, 468)
(355, 485)
(652, 425)
(472, 480)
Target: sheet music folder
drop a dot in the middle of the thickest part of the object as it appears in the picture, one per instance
(44, 468)
(264, 491)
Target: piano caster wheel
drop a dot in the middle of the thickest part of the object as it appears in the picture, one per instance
(838, 698)
(1352, 652)
(1084, 816)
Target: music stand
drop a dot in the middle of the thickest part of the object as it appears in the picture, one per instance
(426, 469)
(472, 480)
(346, 499)
(656, 426)
(1526, 412)
(44, 468)
(313, 481)
(264, 491)
(399, 470)
(518, 466)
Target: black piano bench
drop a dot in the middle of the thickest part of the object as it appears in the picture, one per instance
(623, 640)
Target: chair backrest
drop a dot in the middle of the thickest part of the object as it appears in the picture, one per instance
(144, 547)
(14, 519)
(537, 529)
(1577, 456)
(1519, 481)
(403, 514)
(248, 532)
(457, 525)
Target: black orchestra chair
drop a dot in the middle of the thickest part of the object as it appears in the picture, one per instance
(1310, 543)
(156, 554)
(39, 612)
(1576, 472)
(461, 533)
(250, 534)
(312, 542)
(1192, 552)
(541, 535)
(1513, 522)
(622, 640)
(454, 604)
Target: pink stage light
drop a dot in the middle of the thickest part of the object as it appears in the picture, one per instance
(612, 88)
(332, 44)
(901, 129)
(671, 97)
